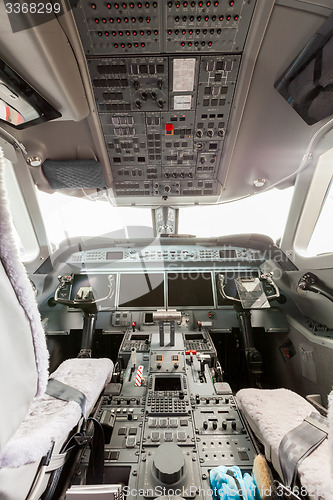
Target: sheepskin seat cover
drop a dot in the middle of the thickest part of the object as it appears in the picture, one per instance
(51, 419)
(273, 413)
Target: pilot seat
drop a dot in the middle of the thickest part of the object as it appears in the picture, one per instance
(38, 415)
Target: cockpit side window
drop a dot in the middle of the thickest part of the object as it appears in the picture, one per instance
(23, 229)
(313, 240)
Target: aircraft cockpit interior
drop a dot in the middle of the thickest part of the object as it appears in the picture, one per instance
(166, 250)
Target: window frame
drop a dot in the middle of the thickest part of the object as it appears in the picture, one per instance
(314, 202)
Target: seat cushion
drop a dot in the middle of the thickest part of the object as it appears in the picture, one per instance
(273, 413)
(51, 420)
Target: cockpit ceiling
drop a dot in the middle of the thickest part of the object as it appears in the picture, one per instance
(175, 99)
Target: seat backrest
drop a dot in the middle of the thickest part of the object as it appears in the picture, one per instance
(23, 353)
(330, 432)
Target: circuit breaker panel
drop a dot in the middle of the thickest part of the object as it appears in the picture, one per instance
(164, 75)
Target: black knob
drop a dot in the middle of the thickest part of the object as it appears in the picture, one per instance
(197, 399)
(207, 401)
(144, 96)
(159, 366)
(234, 425)
(129, 416)
(224, 425)
(138, 104)
(181, 395)
(176, 366)
(161, 104)
(165, 470)
(205, 425)
(217, 401)
(226, 401)
(214, 425)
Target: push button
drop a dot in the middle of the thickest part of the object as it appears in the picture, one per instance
(168, 129)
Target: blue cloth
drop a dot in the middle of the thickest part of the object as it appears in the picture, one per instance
(228, 483)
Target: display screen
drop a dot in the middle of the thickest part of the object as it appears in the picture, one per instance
(140, 336)
(141, 290)
(114, 255)
(227, 253)
(103, 287)
(149, 318)
(190, 289)
(167, 384)
(230, 286)
(194, 336)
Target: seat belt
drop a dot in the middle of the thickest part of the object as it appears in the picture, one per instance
(298, 443)
(62, 391)
(65, 392)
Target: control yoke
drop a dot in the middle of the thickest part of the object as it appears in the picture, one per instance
(253, 293)
(312, 283)
(251, 290)
(85, 301)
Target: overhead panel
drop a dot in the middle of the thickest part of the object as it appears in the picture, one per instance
(164, 75)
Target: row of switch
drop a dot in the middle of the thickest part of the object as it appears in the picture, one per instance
(196, 43)
(209, 401)
(221, 18)
(176, 175)
(127, 402)
(196, 31)
(123, 5)
(126, 20)
(168, 436)
(226, 424)
(210, 133)
(167, 422)
(123, 45)
(200, 4)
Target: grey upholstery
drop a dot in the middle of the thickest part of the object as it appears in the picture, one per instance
(271, 414)
(18, 373)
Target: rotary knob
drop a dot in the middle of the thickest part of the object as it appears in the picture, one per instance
(169, 464)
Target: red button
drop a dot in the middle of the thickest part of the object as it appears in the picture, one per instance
(169, 128)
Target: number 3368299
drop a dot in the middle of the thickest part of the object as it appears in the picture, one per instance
(32, 8)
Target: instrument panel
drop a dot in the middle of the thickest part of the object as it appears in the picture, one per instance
(155, 277)
(164, 75)
(179, 412)
(167, 253)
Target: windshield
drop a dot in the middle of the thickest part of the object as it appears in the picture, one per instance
(66, 217)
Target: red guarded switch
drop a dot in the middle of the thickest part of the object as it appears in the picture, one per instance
(168, 129)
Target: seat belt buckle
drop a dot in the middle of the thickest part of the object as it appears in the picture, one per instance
(83, 440)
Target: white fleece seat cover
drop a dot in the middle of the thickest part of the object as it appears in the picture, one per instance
(51, 419)
(273, 413)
